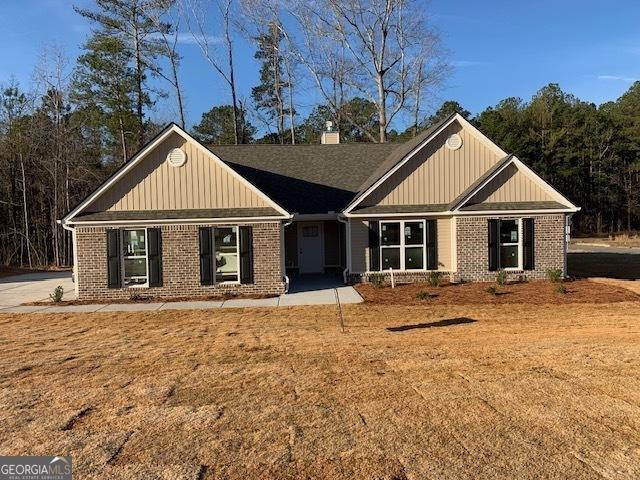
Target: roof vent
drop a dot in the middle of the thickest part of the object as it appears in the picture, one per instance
(454, 142)
(176, 157)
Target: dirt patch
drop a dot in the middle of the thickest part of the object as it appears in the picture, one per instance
(534, 293)
(148, 299)
(463, 392)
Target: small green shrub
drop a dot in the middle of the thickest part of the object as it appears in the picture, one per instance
(377, 280)
(423, 295)
(134, 295)
(434, 278)
(561, 289)
(554, 275)
(501, 277)
(57, 294)
(491, 290)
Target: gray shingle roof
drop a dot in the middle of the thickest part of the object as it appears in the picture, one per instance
(379, 209)
(482, 207)
(178, 214)
(306, 178)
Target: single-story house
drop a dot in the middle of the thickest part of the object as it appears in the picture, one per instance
(185, 219)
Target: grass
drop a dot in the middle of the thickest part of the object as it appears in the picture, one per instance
(438, 391)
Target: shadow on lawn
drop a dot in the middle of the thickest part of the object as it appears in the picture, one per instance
(440, 323)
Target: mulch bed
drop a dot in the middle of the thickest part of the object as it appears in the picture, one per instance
(536, 292)
(149, 299)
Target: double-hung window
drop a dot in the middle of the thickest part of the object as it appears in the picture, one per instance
(402, 245)
(134, 258)
(509, 238)
(226, 247)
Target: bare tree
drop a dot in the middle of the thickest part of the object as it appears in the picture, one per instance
(169, 35)
(388, 49)
(198, 20)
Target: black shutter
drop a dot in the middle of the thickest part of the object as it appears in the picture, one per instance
(114, 279)
(528, 244)
(206, 256)
(494, 244)
(374, 246)
(154, 253)
(432, 245)
(246, 255)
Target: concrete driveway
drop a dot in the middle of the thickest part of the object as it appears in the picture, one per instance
(33, 287)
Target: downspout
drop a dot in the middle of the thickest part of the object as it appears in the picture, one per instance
(347, 229)
(74, 244)
(283, 266)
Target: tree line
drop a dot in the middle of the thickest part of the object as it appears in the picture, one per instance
(372, 68)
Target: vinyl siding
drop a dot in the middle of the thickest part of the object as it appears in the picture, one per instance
(445, 244)
(359, 246)
(200, 183)
(436, 174)
(511, 185)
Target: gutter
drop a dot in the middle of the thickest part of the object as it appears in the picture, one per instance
(74, 243)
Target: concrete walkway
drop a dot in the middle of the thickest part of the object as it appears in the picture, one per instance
(314, 290)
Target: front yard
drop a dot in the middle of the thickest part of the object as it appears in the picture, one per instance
(437, 391)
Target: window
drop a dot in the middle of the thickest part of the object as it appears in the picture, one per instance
(134, 258)
(310, 231)
(402, 245)
(509, 256)
(226, 247)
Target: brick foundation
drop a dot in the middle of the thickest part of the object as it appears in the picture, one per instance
(180, 265)
(473, 255)
(399, 278)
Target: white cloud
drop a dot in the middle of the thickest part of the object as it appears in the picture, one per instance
(617, 78)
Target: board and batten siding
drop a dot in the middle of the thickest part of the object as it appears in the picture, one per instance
(360, 244)
(200, 183)
(511, 185)
(436, 174)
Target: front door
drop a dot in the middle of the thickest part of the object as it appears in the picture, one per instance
(310, 247)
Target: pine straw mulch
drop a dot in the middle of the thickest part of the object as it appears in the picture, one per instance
(150, 299)
(535, 293)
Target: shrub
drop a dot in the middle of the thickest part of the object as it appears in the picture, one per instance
(423, 295)
(134, 295)
(434, 278)
(561, 289)
(501, 277)
(554, 275)
(377, 280)
(491, 290)
(57, 294)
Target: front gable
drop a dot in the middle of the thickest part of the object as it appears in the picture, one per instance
(436, 174)
(149, 183)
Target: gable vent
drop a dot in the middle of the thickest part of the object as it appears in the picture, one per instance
(454, 142)
(176, 157)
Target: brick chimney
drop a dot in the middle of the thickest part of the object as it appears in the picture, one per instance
(329, 136)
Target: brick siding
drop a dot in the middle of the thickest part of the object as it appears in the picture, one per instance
(473, 253)
(180, 264)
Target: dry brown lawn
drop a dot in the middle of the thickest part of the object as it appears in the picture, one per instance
(437, 392)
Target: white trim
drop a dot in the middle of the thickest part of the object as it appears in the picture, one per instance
(134, 257)
(395, 215)
(518, 244)
(403, 246)
(215, 259)
(173, 128)
(529, 173)
(464, 123)
(454, 244)
(179, 221)
(514, 212)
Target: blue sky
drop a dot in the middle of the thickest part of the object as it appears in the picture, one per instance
(499, 49)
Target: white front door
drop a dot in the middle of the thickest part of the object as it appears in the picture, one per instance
(310, 247)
